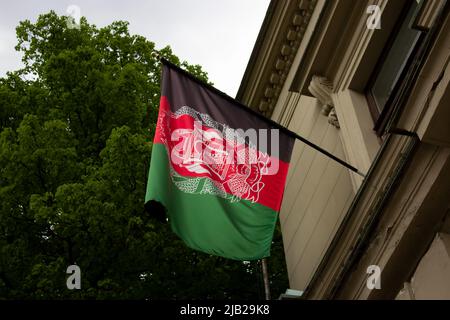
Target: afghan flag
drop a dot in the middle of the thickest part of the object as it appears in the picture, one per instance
(217, 167)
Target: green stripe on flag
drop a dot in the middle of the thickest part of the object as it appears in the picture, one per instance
(239, 230)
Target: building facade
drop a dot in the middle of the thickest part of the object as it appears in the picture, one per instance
(368, 81)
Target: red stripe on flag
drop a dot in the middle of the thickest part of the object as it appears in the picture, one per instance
(243, 180)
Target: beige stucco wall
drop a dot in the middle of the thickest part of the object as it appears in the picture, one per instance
(317, 195)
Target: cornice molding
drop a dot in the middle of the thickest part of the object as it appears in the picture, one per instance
(271, 60)
(428, 14)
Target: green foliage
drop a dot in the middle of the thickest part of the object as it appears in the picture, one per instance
(75, 129)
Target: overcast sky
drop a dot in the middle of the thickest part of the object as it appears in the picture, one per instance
(217, 34)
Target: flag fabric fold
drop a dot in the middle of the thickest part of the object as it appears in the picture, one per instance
(218, 169)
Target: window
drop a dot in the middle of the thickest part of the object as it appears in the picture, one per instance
(392, 67)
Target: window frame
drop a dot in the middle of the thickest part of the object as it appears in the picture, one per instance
(381, 119)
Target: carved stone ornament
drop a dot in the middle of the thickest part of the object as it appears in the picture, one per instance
(321, 88)
(333, 119)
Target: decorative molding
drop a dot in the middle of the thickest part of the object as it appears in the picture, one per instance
(333, 119)
(428, 14)
(264, 93)
(322, 89)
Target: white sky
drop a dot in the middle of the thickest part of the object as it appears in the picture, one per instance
(217, 34)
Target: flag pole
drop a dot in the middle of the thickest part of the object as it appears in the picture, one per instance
(266, 278)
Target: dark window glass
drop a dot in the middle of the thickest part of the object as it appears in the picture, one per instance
(394, 62)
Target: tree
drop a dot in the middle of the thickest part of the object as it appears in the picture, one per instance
(75, 129)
